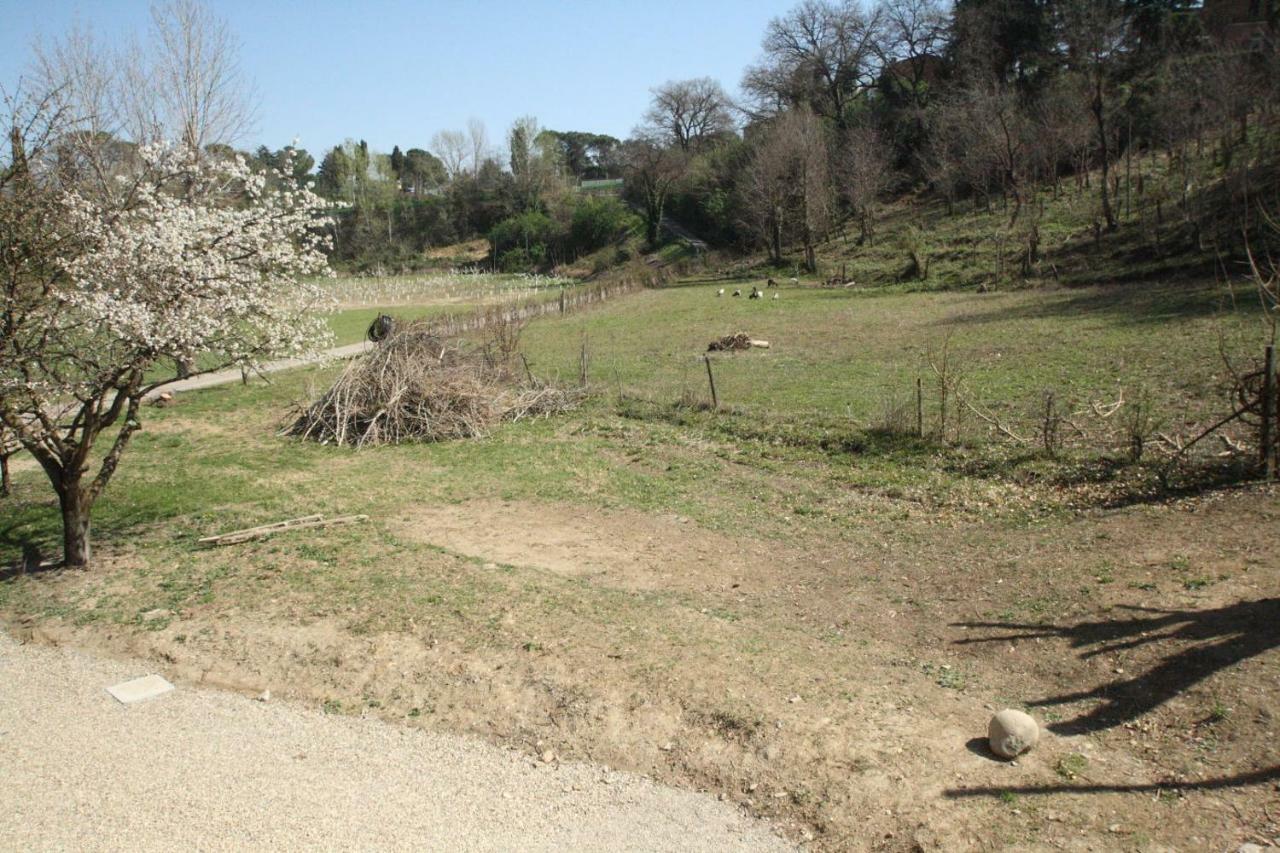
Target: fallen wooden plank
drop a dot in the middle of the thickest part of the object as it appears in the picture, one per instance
(279, 525)
(306, 522)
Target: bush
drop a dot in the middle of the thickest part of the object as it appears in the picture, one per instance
(525, 239)
(597, 222)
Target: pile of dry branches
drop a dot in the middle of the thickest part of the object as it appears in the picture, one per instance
(739, 341)
(418, 386)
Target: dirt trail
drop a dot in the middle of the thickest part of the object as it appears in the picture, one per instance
(202, 769)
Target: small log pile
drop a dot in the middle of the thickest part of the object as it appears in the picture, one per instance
(739, 341)
(417, 386)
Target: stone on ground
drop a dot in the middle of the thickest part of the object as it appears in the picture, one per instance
(147, 687)
(1012, 733)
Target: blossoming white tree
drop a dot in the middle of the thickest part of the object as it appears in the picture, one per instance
(173, 257)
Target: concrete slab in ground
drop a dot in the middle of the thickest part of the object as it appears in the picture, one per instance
(147, 687)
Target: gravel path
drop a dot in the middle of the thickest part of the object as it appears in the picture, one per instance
(225, 377)
(207, 770)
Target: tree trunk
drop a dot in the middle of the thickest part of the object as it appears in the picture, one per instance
(653, 222)
(4, 476)
(1099, 115)
(75, 526)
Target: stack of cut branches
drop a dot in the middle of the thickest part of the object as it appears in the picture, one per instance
(739, 341)
(418, 386)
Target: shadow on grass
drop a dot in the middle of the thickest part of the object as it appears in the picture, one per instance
(24, 539)
(1127, 483)
(1222, 638)
(830, 436)
(1133, 303)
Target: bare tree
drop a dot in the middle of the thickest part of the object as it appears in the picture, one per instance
(182, 85)
(914, 36)
(652, 168)
(197, 92)
(1096, 34)
(478, 138)
(453, 150)
(786, 188)
(822, 54)
(690, 112)
(985, 135)
(864, 173)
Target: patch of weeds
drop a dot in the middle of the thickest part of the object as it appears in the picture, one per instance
(1180, 563)
(945, 676)
(1009, 798)
(1148, 586)
(531, 646)
(415, 712)
(324, 555)
(1219, 713)
(721, 613)
(732, 726)
(860, 764)
(331, 706)
(1195, 583)
(1072, 765)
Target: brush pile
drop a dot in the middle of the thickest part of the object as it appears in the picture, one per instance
(730, 342)
(416, 386)
(740, 341)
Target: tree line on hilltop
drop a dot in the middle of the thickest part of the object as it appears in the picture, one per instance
(987, 103)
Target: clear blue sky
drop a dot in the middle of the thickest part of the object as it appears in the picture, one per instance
(394, 72)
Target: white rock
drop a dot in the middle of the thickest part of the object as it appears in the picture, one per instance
(1012, 733)
(147, 687)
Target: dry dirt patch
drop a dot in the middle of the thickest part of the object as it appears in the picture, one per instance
(619, 548)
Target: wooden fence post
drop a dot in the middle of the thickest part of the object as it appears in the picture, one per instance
(1269, 408)
(919, 409)
(715, 401)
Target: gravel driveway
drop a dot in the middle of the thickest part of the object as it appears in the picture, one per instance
(203, 769)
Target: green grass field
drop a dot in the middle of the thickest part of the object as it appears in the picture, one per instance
(854, 352)
(841, 367)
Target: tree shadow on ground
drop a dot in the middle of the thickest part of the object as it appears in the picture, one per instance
(1223, 637)
(32, 556)
(1132, 303)
(1253, 777)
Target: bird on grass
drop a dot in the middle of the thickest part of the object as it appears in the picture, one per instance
(755, 293)
(720, 292)
(737, 293)
(775, 296)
